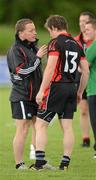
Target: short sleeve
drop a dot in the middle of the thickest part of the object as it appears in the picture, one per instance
(53, 48)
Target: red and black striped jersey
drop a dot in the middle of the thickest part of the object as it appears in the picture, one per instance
(82, 42)
(69, 55)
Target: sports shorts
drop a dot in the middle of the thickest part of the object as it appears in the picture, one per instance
(61, 98)
(23, 110)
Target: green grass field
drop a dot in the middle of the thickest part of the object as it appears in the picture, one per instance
(82, 167)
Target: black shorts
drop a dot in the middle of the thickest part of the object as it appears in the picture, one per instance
(61, 99)
(23, 110)
(48, 115)
(92, 112)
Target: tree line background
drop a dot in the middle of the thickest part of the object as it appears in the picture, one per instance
(39, 10)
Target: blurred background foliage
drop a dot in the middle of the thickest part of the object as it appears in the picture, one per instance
(12, 10)
(39, 10)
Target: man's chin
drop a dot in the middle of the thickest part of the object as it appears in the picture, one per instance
(33, 40)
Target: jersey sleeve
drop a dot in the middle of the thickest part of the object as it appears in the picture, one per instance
(53, 48)
(91, 52)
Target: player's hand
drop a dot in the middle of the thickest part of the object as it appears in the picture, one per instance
(39, 98)
(42, 51)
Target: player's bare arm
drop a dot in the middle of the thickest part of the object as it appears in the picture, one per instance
(84, 78)
(48, 73)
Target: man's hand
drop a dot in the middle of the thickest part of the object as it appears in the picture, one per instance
(42, 51)
(39, 98)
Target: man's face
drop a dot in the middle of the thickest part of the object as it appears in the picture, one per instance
(90, 32)
(82, 22)
(29, 33)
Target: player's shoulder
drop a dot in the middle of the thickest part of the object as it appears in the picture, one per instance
(52, 41)
(80, 40)
(77, 37)
(52, 44)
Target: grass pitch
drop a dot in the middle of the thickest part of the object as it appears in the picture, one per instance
(82, 166)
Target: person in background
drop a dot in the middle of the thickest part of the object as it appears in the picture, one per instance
(91, 86)
(24, 63)
(84, 110)
(58, 90)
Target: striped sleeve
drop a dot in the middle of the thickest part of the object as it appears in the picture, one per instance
(24, 66)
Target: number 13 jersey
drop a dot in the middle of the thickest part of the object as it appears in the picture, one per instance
(69, 55)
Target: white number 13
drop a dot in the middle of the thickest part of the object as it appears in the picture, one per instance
(74, 64)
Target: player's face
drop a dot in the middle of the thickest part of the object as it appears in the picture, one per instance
(89, 32)
(82, 22)
(29, 33)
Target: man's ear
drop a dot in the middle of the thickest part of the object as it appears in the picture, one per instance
(21, 35)
(54, 28)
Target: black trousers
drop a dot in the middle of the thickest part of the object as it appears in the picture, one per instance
(92, 112)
